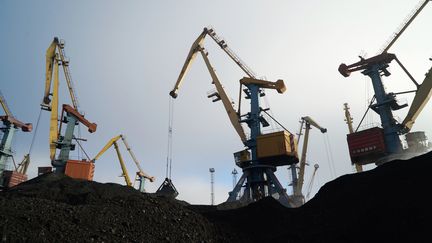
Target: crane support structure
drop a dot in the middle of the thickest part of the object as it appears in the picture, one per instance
(11, 125)
(258, 179)
(376, 67)
(420, 100)
(64, 143)
(308, 123)
(140, 174)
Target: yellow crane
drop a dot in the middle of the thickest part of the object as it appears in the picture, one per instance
(140, 175)
(307, 122)
(70, 115)
(262, 154)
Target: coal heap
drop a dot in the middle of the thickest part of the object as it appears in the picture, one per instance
(57, 208)
(388, 204)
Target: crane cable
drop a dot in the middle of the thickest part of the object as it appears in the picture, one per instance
(169, 145)
(35, 132)
(329, 155)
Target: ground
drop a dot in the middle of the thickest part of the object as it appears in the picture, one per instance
(389, 203)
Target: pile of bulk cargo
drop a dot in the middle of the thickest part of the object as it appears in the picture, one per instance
(389, 203)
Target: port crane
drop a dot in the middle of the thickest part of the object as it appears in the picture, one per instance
(10, 126)
(298, 177)
(55, 57)
(260, 158)
(141, 176)
(382, 144)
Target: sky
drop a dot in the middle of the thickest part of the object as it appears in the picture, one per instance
(125, 57)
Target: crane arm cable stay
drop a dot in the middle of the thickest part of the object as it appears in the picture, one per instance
(404, 26)
(5, 105)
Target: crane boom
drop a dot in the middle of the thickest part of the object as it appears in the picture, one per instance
(198, 43)
(5, 106)
(107, 146)
(421, 98)
(53, 57)
(122, 165)
(9, 117)
(54, 127)
(232, 114)
(399, 32)
(230, 52)
(197, 46)
(189, 59)
(140, 170)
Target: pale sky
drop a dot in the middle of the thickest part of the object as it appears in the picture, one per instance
(125, 57)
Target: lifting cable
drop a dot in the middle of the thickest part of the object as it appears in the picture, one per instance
(35, 132)
(275, 120)
(267, 104)
(329, 155)
(79, 144)
(79, 147)
(170, 131)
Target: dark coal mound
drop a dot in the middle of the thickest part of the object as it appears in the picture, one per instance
(56, 208)
(386, 204)
(389, 204)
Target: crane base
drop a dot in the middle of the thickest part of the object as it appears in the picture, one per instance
(257, 182)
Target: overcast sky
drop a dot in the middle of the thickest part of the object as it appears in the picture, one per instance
(125, 57)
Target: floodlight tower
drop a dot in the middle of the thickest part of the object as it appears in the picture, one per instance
(234, 174)
(212, 170)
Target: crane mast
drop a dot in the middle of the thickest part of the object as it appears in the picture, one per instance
(307, 122)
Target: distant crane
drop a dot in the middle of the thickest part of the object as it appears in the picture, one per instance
(11, 125)
(379, 145)
(297, 183)
(234, 175)
(140, 175)
(259, 160)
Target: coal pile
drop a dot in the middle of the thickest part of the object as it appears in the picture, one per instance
(56, 208)
(388, 204)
